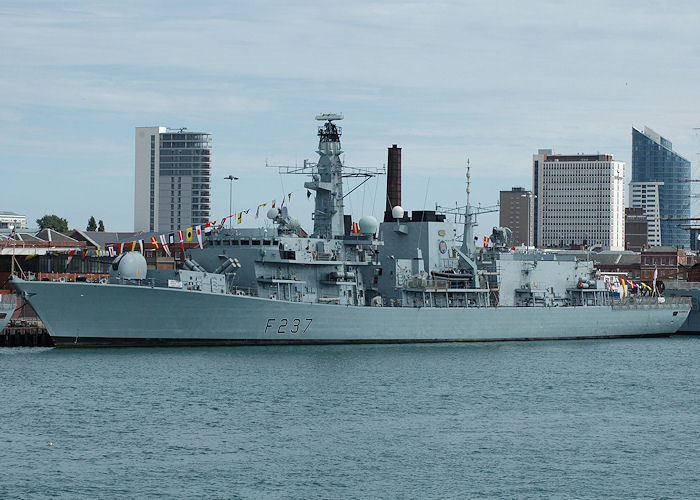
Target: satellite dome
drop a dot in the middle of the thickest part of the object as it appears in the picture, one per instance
(397, 212)
(132, 266)
(272, 213)
(368, 225)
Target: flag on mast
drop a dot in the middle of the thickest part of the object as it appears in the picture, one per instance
(70, 257)
(163, 242)
(198, 230)
(182, 242)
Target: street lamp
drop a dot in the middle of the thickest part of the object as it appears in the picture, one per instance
(231, 178)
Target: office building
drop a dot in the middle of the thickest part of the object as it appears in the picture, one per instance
(635, 229)
(537, 161)
(11, 219)
(517, 213)
(654, 161)
(579, 200)
(645, 196)
(172, 179)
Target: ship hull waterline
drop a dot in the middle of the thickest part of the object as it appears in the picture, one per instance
(84, 314)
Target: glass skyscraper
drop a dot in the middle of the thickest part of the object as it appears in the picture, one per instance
(654, 161)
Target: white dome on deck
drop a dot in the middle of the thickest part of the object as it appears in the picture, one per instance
(133, 266)
(368, 225)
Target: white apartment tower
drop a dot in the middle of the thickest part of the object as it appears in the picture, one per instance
(645, 195)
(172, 179)
(580, 199)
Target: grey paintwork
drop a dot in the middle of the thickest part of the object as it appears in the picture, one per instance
(8, 303)
(72, 311)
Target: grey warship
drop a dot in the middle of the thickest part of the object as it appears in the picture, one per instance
(408, 280)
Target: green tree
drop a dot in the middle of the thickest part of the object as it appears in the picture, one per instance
(92, 225)
(53, 222)
(101, 226)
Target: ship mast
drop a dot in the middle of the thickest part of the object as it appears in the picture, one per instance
(468, 247)
(328, 181)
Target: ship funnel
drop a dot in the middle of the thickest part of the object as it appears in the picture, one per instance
(393, 182)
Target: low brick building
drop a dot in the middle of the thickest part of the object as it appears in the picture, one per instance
(664, 258)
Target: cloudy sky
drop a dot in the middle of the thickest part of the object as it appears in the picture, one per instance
(446, 81)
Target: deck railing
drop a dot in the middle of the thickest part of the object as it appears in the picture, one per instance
(651, 302)
(41, 244)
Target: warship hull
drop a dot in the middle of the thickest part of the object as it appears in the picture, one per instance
(8, 303)
(691, 326)
(85, 314)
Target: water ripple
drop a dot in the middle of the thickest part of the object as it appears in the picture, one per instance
(541, 419)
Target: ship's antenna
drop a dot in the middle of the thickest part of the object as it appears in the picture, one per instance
(469, 188)
(468, 246)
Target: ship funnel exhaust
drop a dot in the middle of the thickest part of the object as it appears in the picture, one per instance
(393, 181)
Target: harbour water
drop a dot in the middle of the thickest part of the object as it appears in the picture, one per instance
(584, 419)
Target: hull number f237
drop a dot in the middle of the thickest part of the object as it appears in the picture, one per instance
(287, 325)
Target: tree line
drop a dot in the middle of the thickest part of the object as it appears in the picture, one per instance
(51, 221)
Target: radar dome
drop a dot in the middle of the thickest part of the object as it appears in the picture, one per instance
(397, 212)
(132, 266)
(368, 225)
(272, 213)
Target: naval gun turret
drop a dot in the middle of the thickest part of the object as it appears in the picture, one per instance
(129, 266)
